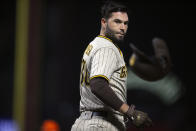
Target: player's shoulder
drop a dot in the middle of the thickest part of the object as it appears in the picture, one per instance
(101, 42)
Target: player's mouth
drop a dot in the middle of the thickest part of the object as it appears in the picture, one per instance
(121, 34)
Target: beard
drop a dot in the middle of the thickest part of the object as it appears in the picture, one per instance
(111, 35)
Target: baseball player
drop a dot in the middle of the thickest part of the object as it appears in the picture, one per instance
(103, 105)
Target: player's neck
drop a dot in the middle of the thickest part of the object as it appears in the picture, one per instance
(102, 32)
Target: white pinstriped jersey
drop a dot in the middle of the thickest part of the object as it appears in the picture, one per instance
(102, 58)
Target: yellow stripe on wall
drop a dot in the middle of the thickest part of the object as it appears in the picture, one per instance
(20, 65)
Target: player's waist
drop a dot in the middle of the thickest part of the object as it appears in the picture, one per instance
(100, 108)
(95, 113)
(103, 114)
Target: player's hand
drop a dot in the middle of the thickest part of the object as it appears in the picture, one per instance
(139, 118)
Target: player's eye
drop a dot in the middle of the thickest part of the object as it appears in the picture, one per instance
(126, 23)
(117, 21)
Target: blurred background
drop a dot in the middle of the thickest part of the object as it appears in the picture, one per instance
(42, 43)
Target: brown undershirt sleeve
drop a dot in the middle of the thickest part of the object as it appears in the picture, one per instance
(100, 87)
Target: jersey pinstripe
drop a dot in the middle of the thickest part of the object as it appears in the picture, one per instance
(102, 58)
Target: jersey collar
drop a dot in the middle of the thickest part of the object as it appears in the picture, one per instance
(105, 38)
(112, 42)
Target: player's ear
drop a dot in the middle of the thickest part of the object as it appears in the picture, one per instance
(103, 22)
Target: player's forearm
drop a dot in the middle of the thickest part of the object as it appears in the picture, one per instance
(100, 87)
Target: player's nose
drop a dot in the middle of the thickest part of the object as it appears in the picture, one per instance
(122, 26)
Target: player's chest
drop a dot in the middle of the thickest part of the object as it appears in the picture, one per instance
(121, 70)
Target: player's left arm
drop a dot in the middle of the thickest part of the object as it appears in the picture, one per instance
(100, 87)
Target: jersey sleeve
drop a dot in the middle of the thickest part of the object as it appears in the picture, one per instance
(103, 63)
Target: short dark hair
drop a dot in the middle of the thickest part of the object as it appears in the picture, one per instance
(112, 6)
